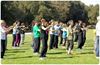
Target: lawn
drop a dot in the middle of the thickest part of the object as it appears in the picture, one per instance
(25, 54)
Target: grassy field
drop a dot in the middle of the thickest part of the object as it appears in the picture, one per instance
(25, 55)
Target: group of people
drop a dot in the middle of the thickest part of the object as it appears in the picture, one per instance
(67, 32)
(42, 30)
(18, 35)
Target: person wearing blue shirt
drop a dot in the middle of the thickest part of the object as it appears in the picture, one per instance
(57, 28)
(64, 34)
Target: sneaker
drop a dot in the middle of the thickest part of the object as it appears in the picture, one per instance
(69, 51)
(14, 47)
(1, 59)
(42, 58)
(97, 57)
(36, 53)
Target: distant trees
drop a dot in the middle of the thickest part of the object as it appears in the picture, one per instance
(26, 11)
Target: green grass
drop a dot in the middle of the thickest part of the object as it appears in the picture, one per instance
(24, 55)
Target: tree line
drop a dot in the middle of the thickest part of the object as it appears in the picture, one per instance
(63, 11)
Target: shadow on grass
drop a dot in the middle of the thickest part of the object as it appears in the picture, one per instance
(87, 52)
(20, 57)
(9, 54)
(62, 57)
(16, 51)
(56, 52)
(89, 49)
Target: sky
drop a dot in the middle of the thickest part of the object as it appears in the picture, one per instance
(88, 2)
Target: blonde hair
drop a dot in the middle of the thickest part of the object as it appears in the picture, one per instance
(1, 21)
(14, 24)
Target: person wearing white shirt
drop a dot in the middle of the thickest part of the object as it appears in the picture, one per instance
(97, 38)
(3, 32)
(57, 28)
(14, 34)
(51, 32)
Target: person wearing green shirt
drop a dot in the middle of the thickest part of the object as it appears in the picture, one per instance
(36, 33)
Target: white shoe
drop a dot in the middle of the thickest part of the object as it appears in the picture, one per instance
(97, 57)
(1, 59)
(14, 47)
(42, 58)
(69, 51)
(36, 53)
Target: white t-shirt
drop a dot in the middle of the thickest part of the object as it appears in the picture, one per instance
(2, 34)
(51, 32)
(15, 29)
(57, 29)
(98, 29)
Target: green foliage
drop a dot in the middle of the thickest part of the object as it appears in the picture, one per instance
(26, 11)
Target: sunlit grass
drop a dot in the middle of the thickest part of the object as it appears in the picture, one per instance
(24, 55)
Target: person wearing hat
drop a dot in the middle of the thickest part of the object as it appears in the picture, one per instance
(3, 36)
(97, 50)
(36, 33)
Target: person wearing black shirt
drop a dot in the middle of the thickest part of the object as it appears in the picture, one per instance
(44, 40)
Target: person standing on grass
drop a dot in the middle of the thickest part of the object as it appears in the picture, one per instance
(3, 36)
(18, 37)
(33, 23)
(57, 28)
(61, 32)
(70, 43)
(44, 38)
(64, 34)
(84, 29)
(76, 33)
(51, 32)
(36, 33)
(97, 44)
(14, 33)
(80, 35)
(22, 33)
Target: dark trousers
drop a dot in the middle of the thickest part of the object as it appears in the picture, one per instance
(18, 38)
(84, 38)
(97, 45)
(6, 43)
(55, 41)
(51, 41)
(36, 44)
(75, 37)
(44, 47)
(70, 44)
(14, 39)
(61, 39)
(80, 40)
(3, 48)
